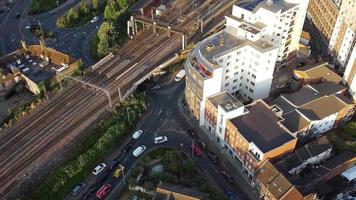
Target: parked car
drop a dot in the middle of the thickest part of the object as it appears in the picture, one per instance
(160, 139)
(89, 193)
(102, 177)
(127, 147)
(202, 144)
(119, 171)
(18, 15)
(113, 164)
(94, 19)
(228, 177)
(78, 188)
(139, 150)
(137, 134)
(213, 157)
(99, 168)
(196, 149)
(103, 191)
(231, 196)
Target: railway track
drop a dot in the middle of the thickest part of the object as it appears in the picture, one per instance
(26, 146)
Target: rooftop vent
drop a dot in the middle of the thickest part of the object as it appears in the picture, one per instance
(264, 44)
(210, 47)
(269, 2)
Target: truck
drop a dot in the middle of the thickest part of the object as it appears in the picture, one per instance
(180, 75)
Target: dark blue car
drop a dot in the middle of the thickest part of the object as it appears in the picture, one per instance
(231, 196)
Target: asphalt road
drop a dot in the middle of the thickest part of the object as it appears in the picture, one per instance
(164, 118)
(73, 41)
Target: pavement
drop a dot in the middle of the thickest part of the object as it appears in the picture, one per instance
(166, 116)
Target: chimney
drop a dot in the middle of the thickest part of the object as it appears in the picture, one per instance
(269, 2)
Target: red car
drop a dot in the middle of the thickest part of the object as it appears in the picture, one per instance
(197, 150)
(103, 191)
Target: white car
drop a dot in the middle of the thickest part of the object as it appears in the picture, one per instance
(137, 134)
(139, 150)
(99, 168)
(94, 20)
(160, 139)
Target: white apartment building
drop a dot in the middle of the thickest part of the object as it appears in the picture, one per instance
(349, 77)
(241, 58)
(279, 22)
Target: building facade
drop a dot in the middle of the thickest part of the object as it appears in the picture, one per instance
(349, 77)
(241, 58)
(335, 19)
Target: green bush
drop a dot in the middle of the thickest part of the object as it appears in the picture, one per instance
(91, 149)
(350, 129)
(38, 6)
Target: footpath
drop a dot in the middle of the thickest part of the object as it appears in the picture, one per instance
(241, 180)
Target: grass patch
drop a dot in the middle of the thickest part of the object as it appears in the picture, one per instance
(178, 169)
(93, 44)
(91, 148)
(344, 139)
(39, 6)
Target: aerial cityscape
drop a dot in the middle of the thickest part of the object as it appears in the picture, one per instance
(178, 99)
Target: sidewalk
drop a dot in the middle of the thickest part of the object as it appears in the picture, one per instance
(225, 159)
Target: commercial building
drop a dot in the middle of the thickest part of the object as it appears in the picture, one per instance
(34, 65)
(255, 136)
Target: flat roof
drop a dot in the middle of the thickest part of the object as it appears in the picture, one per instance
(223, 42)
(226, 101)
(328, 88)
(261, 126)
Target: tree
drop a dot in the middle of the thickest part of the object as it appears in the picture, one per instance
(105, 33)
(95, 4)
(71, 15)
(83, 9)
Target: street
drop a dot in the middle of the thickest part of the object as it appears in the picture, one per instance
(74, 41)
(164, 118)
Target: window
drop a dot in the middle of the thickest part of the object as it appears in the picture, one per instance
(236, 73)
(228, 57)
(253, 76)
(221, 60)
(235, 80)
(227, 84)
(234, 88)
(227, 64)
(249, 72)
(251, 90)
(252, 83)
(227, 77)
(247, 80)
(246, 87)
(240, 84)
(227, 71)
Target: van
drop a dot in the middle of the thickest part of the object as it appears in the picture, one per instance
(180, 75)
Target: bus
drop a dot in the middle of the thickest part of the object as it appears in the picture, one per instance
(180, 75)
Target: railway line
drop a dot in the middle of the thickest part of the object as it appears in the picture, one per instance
(37, 137)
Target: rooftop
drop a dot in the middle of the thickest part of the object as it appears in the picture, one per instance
(177, 192)
(261, 126)
(205, 55)
(274, 6)
(294, 121)
(226, 101)
(276, 183)
(319, 71)
(322, 107)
